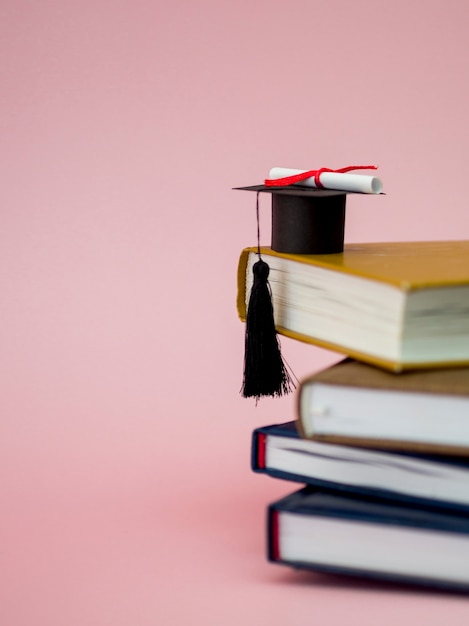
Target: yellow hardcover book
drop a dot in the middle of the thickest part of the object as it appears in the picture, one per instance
(402, 305)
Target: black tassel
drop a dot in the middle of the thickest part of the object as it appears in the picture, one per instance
(265, 373)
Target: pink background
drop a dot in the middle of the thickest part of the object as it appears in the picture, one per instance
(125, 486)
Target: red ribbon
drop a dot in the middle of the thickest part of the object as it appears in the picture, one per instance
(297, 178)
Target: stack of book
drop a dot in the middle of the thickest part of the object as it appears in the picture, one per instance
(380, 441)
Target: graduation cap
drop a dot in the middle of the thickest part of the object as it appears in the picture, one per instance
(308, 217)
(308, 206)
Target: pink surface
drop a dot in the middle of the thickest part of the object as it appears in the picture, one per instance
(125, 486)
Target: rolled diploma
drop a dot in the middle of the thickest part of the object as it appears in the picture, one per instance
(333, 180)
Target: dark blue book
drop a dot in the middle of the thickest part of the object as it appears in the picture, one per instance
(334, 533)
(420, 479)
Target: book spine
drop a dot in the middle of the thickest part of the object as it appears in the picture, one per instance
(273, 534)
(258, 451)
(241, 279)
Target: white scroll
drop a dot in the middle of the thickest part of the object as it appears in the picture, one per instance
(359, 183)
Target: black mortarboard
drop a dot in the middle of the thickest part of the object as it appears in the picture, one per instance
(306, 219)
